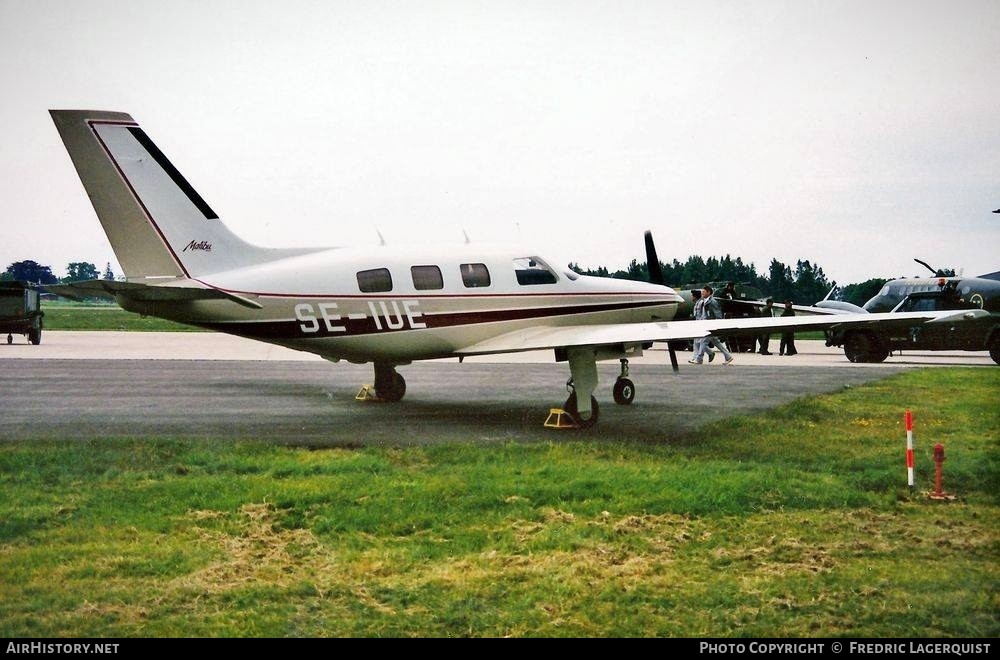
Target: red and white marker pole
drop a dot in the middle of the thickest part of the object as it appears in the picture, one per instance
(908, 418)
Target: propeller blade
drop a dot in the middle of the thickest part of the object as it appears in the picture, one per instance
(673, 357)
(927, 266)
(652, 262)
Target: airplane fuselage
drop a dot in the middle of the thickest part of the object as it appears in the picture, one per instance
(980, 292)
(397, 304)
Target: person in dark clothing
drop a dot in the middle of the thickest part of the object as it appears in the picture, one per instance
(765, 338)
(787, 346)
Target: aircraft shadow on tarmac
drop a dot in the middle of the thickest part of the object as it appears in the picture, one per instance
(313, 403)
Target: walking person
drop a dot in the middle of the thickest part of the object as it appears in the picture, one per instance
(787, 346)
(711, 310)
(765, 338)
(698, 314)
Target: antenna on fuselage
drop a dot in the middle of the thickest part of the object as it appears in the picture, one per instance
(381, 238)
(466, 235)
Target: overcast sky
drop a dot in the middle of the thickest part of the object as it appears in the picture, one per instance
(857, 135)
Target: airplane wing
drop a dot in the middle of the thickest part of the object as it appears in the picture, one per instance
(535, 338)
(179, 289)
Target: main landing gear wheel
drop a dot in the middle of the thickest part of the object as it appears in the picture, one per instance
(995, 349)
(395, 391)
(571, 408)
(623, 392)
(389, 385)
(861, 346)
(10, 339)
(35, 336)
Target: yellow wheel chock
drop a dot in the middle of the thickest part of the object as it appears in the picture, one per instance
(367, 393)
(560, 419)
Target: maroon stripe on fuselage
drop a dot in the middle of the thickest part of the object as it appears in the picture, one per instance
(423, 294)
(293, 329)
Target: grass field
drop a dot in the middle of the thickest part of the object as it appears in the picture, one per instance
(81, 316)
(792, 523)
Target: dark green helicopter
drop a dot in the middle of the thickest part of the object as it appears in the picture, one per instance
(910, 294)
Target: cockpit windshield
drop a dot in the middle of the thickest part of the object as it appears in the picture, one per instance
(532, 270)
(932, 303)
(917, 305)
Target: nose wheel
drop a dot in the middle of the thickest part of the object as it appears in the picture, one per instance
(623, 392)
(624, 389)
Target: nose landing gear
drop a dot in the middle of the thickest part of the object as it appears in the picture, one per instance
(624, 389)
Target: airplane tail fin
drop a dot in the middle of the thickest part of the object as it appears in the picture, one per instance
(158, 225)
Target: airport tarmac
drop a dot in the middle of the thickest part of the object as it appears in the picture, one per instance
(106, 385)
(115, 345)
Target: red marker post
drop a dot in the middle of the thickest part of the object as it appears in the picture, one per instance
(908, 418)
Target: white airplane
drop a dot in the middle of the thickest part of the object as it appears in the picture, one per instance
(385, 305)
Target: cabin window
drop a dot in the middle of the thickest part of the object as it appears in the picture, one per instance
(426, 278)
(532, 270)
(475, 275)
(377, 280)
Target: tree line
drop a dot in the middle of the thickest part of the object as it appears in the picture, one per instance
(804, 284)
(76, 271)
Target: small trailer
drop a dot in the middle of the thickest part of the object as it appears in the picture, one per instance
(19, 311)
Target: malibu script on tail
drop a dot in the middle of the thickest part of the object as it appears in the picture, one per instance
(198, 245)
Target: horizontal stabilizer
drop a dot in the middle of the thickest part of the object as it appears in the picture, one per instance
(16, 285)
(177, 290)
(822, 308)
